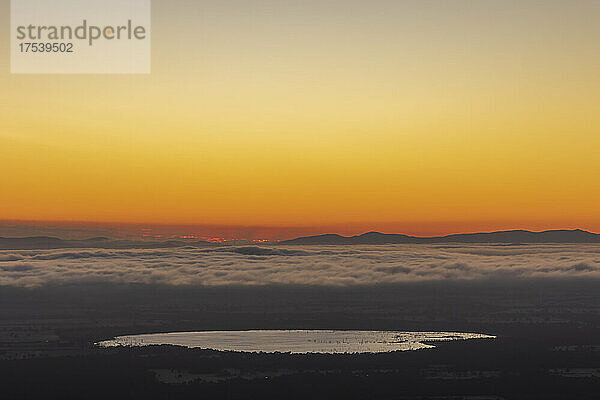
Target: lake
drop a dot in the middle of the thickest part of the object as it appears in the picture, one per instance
(296, 341)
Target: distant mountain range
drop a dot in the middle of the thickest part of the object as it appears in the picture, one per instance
(48, 242)
(514, 236)
(371, 238)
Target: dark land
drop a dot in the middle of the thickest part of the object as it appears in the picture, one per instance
(513, 236)
(50, 242)
(369, 238)
(548, 344)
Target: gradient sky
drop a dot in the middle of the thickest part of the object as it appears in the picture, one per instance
(414, 116)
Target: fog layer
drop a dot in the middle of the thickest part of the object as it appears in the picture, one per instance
(304, 265)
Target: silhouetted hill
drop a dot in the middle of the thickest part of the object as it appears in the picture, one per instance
(514, 236)
(47, 242)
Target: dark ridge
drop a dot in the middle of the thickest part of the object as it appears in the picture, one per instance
(513, 236)
(369, 238)
(95, 239)
(45, 242)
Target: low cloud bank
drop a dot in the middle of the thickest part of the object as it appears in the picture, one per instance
(324, 265)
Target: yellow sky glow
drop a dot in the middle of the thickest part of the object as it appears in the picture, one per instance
(394, 112)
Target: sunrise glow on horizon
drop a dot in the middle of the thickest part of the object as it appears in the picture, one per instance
(424, 118)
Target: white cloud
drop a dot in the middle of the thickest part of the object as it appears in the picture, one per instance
(326, 265)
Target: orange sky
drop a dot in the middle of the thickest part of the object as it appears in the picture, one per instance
(420, 117)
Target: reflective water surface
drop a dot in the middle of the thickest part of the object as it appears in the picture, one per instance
(296, 341)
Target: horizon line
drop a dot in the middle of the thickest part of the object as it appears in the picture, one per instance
(176, 237)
